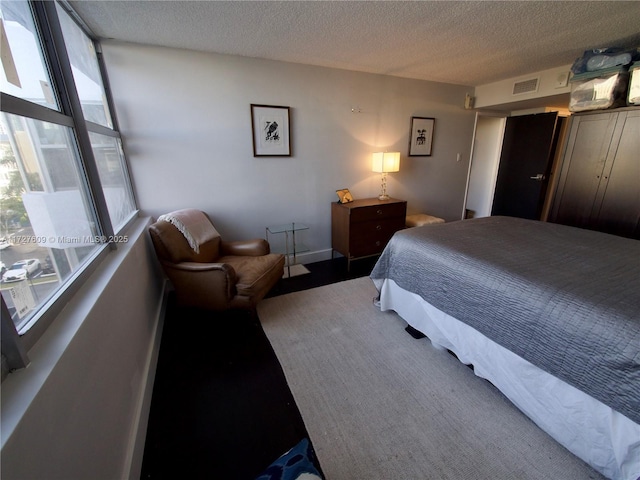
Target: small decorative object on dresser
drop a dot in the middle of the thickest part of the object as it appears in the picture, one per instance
(344, 195)
(362, 228)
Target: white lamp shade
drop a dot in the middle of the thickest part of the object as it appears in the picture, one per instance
(386, 162)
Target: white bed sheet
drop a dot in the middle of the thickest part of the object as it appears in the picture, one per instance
(602, 437)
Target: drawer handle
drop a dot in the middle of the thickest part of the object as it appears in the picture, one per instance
(378, 227)
(379, 211)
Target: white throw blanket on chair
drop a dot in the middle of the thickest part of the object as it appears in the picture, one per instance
(193, 224)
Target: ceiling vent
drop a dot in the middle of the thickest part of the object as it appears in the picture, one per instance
(526, 86)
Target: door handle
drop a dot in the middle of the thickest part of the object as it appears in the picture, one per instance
(539, 177)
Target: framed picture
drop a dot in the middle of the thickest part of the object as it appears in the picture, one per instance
(344, 196)
(421, 138)
(271, 131)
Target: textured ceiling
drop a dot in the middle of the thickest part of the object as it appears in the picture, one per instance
(461, 42)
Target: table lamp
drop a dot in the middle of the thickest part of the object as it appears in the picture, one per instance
(384, 162)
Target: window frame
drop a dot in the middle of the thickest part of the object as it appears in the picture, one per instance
(47, 23)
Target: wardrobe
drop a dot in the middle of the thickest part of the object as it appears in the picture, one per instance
(599, 183)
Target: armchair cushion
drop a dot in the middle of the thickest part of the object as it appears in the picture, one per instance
(254, 272)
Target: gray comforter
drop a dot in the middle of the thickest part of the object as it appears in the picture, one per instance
(564, 299)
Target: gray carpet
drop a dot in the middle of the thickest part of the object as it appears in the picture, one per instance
(379, 404)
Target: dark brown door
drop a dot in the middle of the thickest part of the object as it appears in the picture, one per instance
(528, 148)
(617, 207)
(587, 150)
(599, 184)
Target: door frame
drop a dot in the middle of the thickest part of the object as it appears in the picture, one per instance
(556, 164)
(492, 162)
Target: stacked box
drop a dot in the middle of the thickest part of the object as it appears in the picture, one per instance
(599, 90)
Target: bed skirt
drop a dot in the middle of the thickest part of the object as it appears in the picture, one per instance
(594, 432)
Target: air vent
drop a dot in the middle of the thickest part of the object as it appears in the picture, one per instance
(525, 86)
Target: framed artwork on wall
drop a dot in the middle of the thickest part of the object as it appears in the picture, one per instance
(421, 138)
(271, 131)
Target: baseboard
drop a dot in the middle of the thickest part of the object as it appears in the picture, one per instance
(133, 463)
(312, 257)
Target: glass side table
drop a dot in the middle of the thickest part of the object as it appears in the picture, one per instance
(291, 245)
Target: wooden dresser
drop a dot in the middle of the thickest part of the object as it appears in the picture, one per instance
(363, 227)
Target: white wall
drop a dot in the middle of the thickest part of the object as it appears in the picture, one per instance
(185, 119)
(552, 82)
(79, 411)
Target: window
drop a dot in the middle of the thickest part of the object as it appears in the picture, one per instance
(113, 177)
(64, 183)
(25, 72)
(86, 71)
(46, 214)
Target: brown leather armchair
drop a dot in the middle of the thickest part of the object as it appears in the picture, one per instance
(208, 272)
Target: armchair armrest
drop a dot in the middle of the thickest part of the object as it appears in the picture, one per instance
(207, 285)
(197, 267)
(254, 248)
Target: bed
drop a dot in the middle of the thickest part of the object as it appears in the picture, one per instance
(549, 314)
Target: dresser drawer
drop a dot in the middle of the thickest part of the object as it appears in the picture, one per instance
(365, 247)
(368, 238)
(383, 211)
(378, 229)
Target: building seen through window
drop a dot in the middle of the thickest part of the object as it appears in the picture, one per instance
(50, 225)
(45, 212)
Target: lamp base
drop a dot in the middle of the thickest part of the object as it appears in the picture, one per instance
(383, 187)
